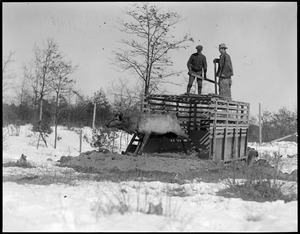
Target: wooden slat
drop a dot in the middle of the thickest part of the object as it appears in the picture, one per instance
(233, 102)
(229, 125)
(221, 131)
(230, 119)
(194, 98)
(211, 109)
(214, 137)
(228, 135)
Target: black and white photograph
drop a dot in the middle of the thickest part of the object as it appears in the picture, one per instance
(149, 117)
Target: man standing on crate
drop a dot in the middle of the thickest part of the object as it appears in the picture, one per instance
(196, 65)
(225, 71)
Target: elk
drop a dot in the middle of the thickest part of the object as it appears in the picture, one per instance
(146, 124)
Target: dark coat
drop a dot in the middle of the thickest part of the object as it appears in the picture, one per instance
(197, 62)
(225, 66)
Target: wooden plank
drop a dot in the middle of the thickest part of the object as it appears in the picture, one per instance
(229, 127)
(229, 131)
(240, 142)
(211, 112)
(189, 121)
(182, 100)
(214, 136)
(228, 136)
(194, 98)
(231, 108)
(246, 142)
(195, 106)
(231, 113)
(229, 124)
(233, 102)
(231, 119)
(226, 129)
(224, 143)
(198, 120)
(234, 145)
(164, 106)
(237, 143)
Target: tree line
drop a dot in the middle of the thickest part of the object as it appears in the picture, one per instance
(274, 125)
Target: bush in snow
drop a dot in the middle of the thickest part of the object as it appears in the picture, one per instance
(5, 136)
(87, 134)
(261, 183)
(123, 200)
(103, 139)
(45, 124)
(13, 130)
(21, 162)
(117, 202)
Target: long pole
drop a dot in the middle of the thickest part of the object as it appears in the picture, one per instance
(259, 123)
(215, 74)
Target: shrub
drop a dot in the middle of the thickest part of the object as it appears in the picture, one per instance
(103, 138)
(44, 127)
(261, 183)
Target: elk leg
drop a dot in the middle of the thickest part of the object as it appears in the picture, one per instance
(137, 149)
(139, 145)
(144, 141)
(193, 147)
(183, 145)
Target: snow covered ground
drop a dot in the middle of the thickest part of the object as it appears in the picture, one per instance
(78, 208)
(88, 205)
(69, 144)
(285, 151)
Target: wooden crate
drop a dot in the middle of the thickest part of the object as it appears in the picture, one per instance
(219, 128)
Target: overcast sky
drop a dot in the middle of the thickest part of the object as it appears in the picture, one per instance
(261, 40)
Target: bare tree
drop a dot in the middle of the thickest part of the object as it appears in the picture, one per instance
(23, 94)
(125, 99)
(32, 81)
(60, 83)
(147, 54)
(7, 74)
(45, 59)
(39, 74)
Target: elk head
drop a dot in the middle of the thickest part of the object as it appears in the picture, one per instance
(116, 122)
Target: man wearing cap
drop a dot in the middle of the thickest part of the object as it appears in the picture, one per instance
(225, 71)
(196, 64)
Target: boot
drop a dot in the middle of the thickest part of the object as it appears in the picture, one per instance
(188, 90)
(199, 90)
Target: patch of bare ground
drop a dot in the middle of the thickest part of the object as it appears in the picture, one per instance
(167, 167)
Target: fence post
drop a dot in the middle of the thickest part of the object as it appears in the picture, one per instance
(80, 140)
(94, 115)
(259, 123)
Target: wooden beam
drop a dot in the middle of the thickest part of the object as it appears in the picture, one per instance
(225, 135)
(282, 138)
(214, 136)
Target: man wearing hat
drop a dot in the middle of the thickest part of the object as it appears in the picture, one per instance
(196, 64)
(225, 71)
